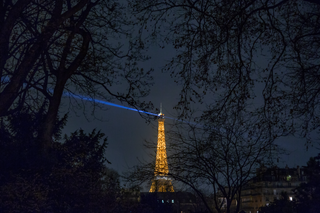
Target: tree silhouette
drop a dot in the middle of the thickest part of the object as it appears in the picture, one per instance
(282, 205)
(249, 74)
(74, 179)
(220, 159)
(308, 193)
(51, 47)
(214, 161)
(259, 54)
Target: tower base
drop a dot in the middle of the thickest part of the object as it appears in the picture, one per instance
(161, 185)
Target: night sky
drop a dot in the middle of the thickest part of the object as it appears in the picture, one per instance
(127, 130)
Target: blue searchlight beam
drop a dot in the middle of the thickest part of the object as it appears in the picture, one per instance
(107, 103)
(120, 106)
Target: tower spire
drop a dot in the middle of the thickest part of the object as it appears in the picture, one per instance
(161, 181)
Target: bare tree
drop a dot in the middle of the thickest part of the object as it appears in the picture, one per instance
(249, 73)
(221, 158)
(48, 48)
(215, 159)
(262, 53)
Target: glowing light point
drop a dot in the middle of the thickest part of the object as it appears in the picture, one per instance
(161, 181)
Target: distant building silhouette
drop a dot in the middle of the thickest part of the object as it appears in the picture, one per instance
(172, 202)
(267, 186)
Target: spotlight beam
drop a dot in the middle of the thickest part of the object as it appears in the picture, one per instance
(120, 106)
(107, 103)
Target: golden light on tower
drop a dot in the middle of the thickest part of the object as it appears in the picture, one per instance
(161, 181)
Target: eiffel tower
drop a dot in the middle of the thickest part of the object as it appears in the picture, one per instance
(161, 181)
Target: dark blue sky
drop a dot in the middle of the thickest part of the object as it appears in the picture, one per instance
(127, 130)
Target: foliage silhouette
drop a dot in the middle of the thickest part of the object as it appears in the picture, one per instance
(48, 48)
(74, 178)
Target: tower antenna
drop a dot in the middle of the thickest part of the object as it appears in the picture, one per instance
(160, 108)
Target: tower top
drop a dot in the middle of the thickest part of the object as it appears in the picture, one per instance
(161, 115)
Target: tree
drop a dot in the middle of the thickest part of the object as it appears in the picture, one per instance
(263, 54)
(52, 48)
(308, 194)
(249, 74)
(215, 161)
(74, 179)
(282, 205)
(220, 158)
(87, 185)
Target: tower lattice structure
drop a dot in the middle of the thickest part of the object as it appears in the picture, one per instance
(161, 181)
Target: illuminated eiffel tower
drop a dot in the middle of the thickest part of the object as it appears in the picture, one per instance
(161, 181)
